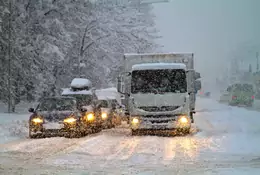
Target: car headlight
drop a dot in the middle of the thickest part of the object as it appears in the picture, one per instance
(37, 120)
(90, 117)
(183, 120)
(135, 120)
(104, 115)
(70, 120)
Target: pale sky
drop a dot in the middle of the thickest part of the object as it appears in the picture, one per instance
(213, 29)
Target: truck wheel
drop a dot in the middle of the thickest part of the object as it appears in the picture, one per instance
(134, 132)
(183, 131)
(191, 117)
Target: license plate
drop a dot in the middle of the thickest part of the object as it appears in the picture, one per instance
(158, 126)
(53, 126)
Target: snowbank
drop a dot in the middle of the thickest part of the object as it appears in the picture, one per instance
(13, 127)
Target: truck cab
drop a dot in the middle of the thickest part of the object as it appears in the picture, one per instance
(157, 97)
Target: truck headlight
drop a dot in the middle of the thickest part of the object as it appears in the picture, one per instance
(135, 120)
(104, 115)
(37, 120)
(90, 117)
(70, 120)
(183, 120)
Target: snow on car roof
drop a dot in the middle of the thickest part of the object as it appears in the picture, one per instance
(68, 91)
(101, 97)
(149, 66)
(80, 83)
(107, 93)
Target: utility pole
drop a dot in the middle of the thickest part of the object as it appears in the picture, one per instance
(257, 62)
(9, 56)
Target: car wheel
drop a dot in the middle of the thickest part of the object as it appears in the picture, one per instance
(34, 136)
(31, 136)
(74, 134)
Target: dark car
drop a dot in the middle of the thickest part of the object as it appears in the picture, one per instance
(57, 116)
(109, 114)
(87, 100)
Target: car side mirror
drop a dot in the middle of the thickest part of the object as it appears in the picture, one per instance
(82, 109)
(31, 109)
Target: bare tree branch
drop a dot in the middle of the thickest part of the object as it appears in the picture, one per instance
(94, 41)
(52, 10)
(28, 5)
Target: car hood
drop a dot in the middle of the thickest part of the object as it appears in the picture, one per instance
(107, 110)
(54, 116)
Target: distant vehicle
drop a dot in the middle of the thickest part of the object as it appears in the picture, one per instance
(56, 116)
(241, 94)
(81, 89)
(202, 93)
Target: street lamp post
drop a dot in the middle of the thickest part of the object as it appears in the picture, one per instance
(9, 56)
(257, 61)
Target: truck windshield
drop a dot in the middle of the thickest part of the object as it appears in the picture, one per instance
(159, 81)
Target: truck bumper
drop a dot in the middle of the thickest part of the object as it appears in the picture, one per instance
(158, 124)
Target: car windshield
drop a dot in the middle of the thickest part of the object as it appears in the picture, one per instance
(158, 81)
(103, 103)
(57, 104)
(82, 99)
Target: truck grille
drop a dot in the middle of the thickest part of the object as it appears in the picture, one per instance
(159, 119)
(155, 108)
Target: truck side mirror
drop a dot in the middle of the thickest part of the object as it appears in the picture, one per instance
(197, 75)
(31, 110)
(197, 85)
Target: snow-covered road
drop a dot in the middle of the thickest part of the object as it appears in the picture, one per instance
(227, 144)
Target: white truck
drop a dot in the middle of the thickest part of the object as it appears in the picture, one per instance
(159, 91)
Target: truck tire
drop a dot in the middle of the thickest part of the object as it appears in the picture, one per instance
(183, 131)
(191, 117)
(134, 132)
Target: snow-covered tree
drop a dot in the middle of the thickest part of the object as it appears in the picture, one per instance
(54, 41)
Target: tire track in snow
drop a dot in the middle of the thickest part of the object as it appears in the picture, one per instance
(119, 150)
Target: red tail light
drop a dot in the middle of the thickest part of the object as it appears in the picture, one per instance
(253, 97)
(234, 97)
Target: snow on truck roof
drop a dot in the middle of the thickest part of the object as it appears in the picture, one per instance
(68, 91)
(149, 66)
(156, 54)
(80, 83)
